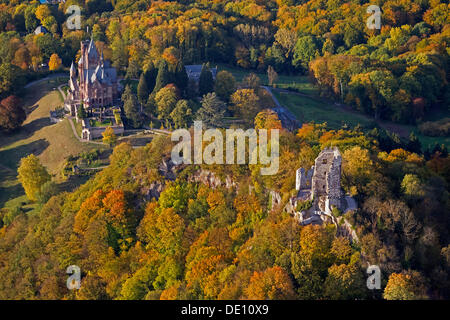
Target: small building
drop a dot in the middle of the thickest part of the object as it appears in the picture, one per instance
(55, 117)
(193, 72)
(40, 29)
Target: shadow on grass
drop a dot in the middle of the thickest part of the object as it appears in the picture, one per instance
(24, 132)
(11, 157)
(9, 193)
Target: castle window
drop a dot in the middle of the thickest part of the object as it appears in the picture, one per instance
(324, 161)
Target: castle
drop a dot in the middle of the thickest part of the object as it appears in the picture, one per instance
(321, 185)
(96, 84)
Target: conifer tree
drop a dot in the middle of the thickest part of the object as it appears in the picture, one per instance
(206, 82)
(163, 77)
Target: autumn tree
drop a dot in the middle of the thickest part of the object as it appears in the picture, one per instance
(273, 283)
(32, 175)
(344, 282)
(54, 62)
(12, 114)
(408, 285)
(246, 104)
(109, 136)
(267, 119)
(251, 81)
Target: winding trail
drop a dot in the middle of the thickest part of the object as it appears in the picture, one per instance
(288, 119)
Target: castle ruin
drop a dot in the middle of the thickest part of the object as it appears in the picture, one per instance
(321, 185)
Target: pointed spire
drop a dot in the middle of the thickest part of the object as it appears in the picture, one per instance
(72, 69)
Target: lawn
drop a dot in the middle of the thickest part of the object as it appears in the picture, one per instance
(299, 83)
(103, 123)
(52, 143)
(308, 109)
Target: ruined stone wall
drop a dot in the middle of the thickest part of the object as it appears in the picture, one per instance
(321, 168)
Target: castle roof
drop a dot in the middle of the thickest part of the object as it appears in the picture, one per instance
(102, 74)
(92, 50)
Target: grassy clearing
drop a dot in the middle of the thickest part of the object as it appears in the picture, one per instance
(307, 110)
(52, 143)
(296, 82)
(103, 123)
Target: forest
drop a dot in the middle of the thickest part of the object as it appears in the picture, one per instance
(142, 228)
(399, 72)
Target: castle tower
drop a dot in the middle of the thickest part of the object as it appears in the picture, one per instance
(334, 191)
(326, 181)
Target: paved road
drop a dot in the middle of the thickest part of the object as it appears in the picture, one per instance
(288, 119)
(56, 75)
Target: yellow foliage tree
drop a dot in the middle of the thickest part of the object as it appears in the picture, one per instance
(109, 137)
(43, 12)
(267, 119)
(55, 62)
(408, 285)
(32, 175)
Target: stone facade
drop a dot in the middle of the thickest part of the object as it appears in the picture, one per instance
(322, 183)
(95, 84)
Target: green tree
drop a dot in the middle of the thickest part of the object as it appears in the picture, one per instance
(163, 78)
(131, 107)
(166, 99)
(182, 114)
(181, 78)
(206, 82)
(225, 85)
(304, 52)
(150, 73)
(48, 190)
(142, 90)
(32, 175)
(212, 111)
(81, 112)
